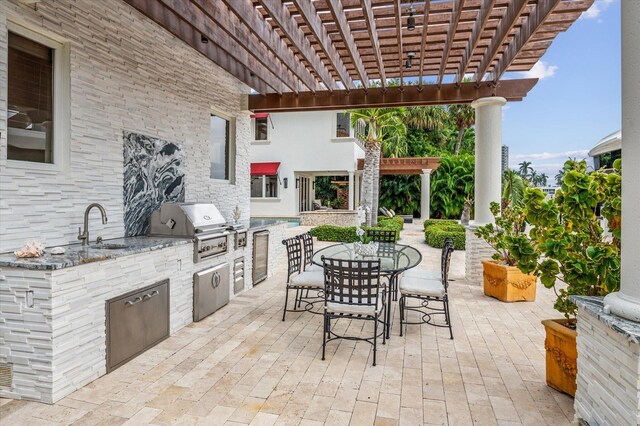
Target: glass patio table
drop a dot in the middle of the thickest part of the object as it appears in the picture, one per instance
(394, 259)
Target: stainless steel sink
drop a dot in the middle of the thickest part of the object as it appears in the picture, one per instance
(109, 246)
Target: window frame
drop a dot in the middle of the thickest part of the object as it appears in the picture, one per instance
(335, 136)
(61, 100)
(232, 145)
(263, 178)
(253, 127)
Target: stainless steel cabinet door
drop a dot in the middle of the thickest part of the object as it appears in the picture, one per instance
(155, 312)
(260, 256)
(126, 330)
(210, 291)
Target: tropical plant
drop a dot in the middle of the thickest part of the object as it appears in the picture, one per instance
(507, 232)
(464, 116)
(382, 126)
(525, 169)
(400, 193)
(512, 188)
(451, 184)
(426, 117)
(567, 242)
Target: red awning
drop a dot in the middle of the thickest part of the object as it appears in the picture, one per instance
(268, 169)
(261, 115)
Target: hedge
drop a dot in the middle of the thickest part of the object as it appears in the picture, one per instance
(347, 234)
(437, 231)
(384, 219)
(431, 222)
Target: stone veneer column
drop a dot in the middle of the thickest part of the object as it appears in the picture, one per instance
(488, 181)
(351, 185)
(626, 302)
(357, 189)
(425, 195)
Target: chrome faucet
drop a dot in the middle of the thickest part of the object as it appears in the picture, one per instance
(84, 235)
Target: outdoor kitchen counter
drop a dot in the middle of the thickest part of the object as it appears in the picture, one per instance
(76, 254)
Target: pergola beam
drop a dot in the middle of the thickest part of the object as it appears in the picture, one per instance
(215, 34)
(244, 11)
(512, 90)
(404, 165)
(185, 32)
(478, 28)
(345, 32)
(527, 31)
(398, 15)
(451, 32)
(373, 35)
(508, 21)
(282, 17)
(423, 39)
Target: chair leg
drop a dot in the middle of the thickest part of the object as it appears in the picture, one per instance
(324, 334)
(298, 299)
(401, 307)
(286, 299)
(447, 316)
(384, 334)
(375, 338)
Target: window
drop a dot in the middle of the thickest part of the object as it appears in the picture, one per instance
(264, 186)
(343, 125)
(30, 115)
(222, 149)
(260, 129)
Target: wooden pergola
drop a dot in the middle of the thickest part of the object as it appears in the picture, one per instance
(337, 54)
(405, 166)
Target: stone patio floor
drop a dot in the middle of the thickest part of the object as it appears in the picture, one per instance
(243, 365)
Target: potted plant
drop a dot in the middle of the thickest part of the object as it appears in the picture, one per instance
(502, 279)
(570, 252)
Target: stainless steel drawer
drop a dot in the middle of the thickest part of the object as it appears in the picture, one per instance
(210, 290)
(136, 321)
(238, 275)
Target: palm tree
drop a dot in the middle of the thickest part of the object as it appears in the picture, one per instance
(543, 179)
(525, 168)
(382, 126)
(464, 116)
(512, 188)
(426, 117)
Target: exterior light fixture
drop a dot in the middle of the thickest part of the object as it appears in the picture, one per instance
(285, 182)
(409, 63)
(411, 20)
(203, 39)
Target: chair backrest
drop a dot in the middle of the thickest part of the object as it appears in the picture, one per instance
(446, 262)
(294, 255)
(307, 245)
(351, 282)
(448, 242)
(381, 235)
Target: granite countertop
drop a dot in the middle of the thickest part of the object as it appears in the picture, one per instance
(257, 224)
(76, 254)
(594, 305)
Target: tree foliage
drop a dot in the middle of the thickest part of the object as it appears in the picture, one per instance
(451, 184)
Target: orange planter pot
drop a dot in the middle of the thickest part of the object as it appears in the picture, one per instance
(562, 354)
(508, 283)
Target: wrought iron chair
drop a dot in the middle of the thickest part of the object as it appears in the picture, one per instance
(298, 279)
(307, 245)
(427, 292)
(430, 273)
(352, 290)
(382, 235)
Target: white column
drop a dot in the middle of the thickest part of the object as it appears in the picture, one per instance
(351, 192)
(425, 194)
(357, 189)
(488, 176)
(626, 302)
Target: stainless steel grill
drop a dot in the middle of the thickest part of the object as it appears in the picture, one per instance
(200, 221)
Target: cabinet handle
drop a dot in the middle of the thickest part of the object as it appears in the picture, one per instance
(150, 295)
(215, 279)
(134, 301)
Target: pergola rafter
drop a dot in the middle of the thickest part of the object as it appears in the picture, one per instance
(316, 46)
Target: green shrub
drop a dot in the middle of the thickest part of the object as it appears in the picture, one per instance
(347, 234)
(383, 220)
(340, 234)
(435, 237)
(431, 222)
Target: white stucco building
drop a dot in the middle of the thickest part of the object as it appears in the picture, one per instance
(289, 150)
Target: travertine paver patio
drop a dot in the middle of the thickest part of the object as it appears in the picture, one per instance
(243, 365)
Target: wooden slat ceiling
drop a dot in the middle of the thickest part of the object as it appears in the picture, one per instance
(278, 46)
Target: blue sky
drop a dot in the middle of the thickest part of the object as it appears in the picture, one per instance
(577, 101)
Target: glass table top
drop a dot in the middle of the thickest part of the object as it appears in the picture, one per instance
(393, 257)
